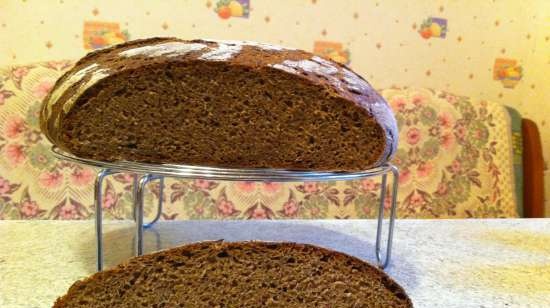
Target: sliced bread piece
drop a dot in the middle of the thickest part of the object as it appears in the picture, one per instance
(239, 274)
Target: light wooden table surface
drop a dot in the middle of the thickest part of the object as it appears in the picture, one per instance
(440, 263)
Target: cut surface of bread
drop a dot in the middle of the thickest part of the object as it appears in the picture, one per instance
(239, 274)
(219, 103)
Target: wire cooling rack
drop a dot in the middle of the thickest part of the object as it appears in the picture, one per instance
(145, 173)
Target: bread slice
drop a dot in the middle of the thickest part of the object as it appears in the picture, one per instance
(239, 274)
(219, 103)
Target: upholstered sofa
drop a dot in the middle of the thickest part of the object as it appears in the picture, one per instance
(459, 157)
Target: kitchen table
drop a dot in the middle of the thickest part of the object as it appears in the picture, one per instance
(440, 263)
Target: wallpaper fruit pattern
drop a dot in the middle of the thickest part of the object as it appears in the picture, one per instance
(232, 8)
(98, 34)
(507, 71)
(332, 50)
(433, 27)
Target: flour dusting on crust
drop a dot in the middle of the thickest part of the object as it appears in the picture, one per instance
(283, 67)
(94, 77)
(170, 49)
(264, 46)
(222, 52)
(310, 67)
(340, 77)
(70, 81)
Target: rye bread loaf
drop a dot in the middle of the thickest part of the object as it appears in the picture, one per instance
(241, 274)
(218, 103)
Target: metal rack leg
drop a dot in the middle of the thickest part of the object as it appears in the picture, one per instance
(159, 207)
(140, 200)
(135, 184)
(384, 262)
(99, 215)
(160, 203)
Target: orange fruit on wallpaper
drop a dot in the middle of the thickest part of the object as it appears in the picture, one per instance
(502, 66)
(501, 74)
(513, 72)
(98, 41)
(426, 33)
(97, 34)
(224, 12)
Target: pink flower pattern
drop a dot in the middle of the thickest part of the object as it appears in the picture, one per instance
(29, 209)
(109, 200)
(14, 127)
(445, 120)
(311, 187)
(399, 104)
(259, 213)
(290, 208)
(51, 179)
(315, 211)
(456, 166)
(272, 187)
(15, 153)
(419, 100)
(199, 210)
(452, 99)
(20, 71)
(202, 184)
(416, 199)
(246, 186)
(404, 176)
(368, 184)
(460, 131)
(413, 136)
(442, 189)
(43, 88)
(447, 140)
(226, 207)
(125, 178)
(424, 169)
(82, 176)
(68, 211)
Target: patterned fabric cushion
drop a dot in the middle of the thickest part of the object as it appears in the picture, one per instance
(455, 158)
(455, 155)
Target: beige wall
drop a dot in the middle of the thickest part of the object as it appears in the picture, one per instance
(381, 39)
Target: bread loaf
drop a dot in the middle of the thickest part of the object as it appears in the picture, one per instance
(241, 274)
(218, 103)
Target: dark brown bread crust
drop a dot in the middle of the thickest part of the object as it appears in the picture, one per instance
(240, 274)
(337, 121)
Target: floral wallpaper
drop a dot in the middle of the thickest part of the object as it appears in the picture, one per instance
(497, 51)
